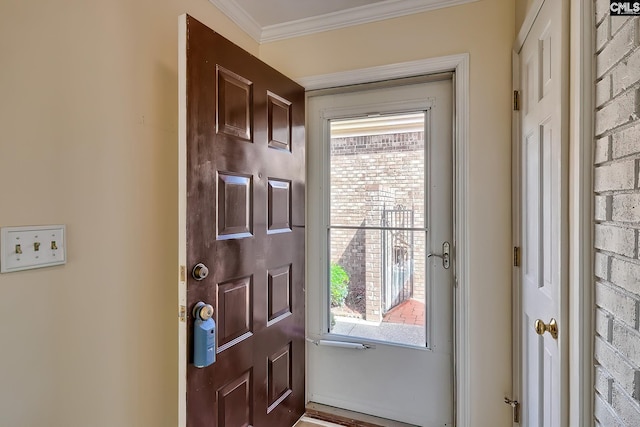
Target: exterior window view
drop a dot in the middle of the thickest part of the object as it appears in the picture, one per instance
(377, 231)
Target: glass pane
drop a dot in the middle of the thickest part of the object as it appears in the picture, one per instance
(376, 163)
(378, 283)
(377, 181)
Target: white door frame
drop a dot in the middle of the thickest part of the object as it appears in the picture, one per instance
(581, 134)
(581, 212)
(460, 65)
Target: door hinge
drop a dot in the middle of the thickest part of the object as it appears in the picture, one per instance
(182, 313)
(516, 100)
(515, 406)
(516, 256)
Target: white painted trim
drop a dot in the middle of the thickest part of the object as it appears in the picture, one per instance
(355, 16)
(527, 24)
(240, 17)
(331, 21)
(381, 72)
(581, 276)
(460, 64)
(182, 217)
(516, 229)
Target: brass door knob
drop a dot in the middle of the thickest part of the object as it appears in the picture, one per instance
(203, 311)
(552, 327)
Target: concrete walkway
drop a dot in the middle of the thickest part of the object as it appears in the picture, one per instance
(397, 333)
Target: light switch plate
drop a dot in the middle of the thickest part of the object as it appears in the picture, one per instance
(24, 248)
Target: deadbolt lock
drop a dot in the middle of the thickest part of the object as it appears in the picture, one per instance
(200, 271)
(551, 327)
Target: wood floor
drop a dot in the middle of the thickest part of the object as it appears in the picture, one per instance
(319, 415)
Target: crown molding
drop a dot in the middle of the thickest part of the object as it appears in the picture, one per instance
(330, 21)
(355, 16)
(240, 16)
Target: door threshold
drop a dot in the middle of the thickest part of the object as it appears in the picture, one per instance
(329, 416)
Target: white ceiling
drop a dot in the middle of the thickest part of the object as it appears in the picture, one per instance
(271, 20)
(271, 12)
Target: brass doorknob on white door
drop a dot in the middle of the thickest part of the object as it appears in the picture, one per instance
(551, 327)
(200, 271)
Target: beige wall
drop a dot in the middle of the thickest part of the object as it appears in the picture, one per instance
(88, 114)
(88, 120)
(522, 8)
(485, 29)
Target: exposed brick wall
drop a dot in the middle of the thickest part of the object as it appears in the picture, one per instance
(360, 145)
(365, 179)
(617, 215)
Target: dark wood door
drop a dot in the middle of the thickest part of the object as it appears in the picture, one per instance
(245, 222)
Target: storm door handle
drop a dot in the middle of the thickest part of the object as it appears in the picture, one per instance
(445, 255)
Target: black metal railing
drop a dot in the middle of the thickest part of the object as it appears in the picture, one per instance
(397, 256)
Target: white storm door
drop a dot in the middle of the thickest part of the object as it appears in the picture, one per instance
(544, 206)
(379, 202)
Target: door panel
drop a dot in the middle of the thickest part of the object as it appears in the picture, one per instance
(245, 221)
(544, 212)
(384, 366)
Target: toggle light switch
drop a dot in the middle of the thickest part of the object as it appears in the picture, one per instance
(21, 247)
